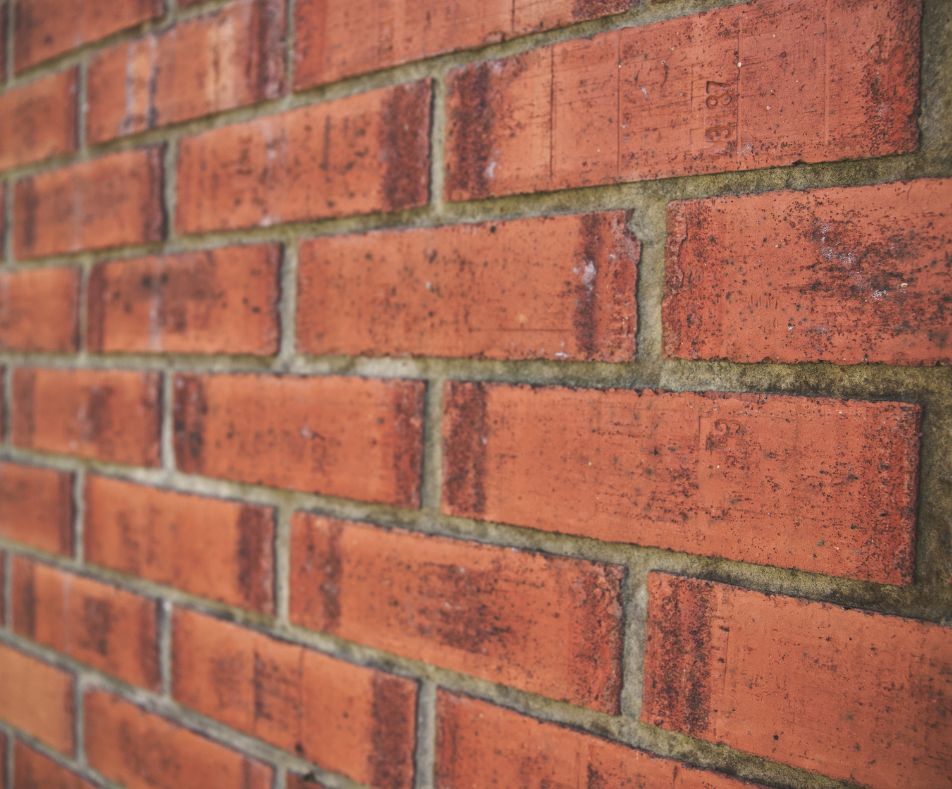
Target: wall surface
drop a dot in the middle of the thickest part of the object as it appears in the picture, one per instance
(471, 393)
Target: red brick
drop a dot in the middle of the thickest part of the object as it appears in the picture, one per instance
(226, 59)
(38, 309)
(104, 627)
(36, 507)
(552, 287)
(350, 719)
(217, 301)
(837, 275)
(480, 744)
(357, 155)
(755, 85)
(335, 40)
(816, 484)
(540, 623)
(109, 202)
(141, 750)
(44, 29)
(296, 781)
(33, 769)
(3, 737)
(37, 698)
(38, 120)
(4, 15)
(109, 415)
(357, 438)
(857, 696)
(213, 548)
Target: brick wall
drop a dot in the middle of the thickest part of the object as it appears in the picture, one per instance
(465, 394)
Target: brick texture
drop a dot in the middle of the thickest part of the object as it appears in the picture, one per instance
(99, 414)
(213, 548)
(112, 201)
(36, 507)
(836, 275)
(361, 437)
(358, 155)
(346, 718)
(226, 59)
(104, 627)
(755, 85)
(38, 120)
(37, 699)
(767, 479)
(540, 623)
(553, 288)
(39, 309)
(217, 301)
(877, 687)
(31, 768)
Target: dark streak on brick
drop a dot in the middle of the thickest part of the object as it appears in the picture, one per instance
(265, 62)
(64, 495)
(96, 625)
(328, 556)
(24, 386)
(155, 222)
(404, 148)
(252, 554)
(465, 453)
(189, 414)
(590, 9)
(24, 600)
(408, 450)
(95, 309)
(602, 593)
(391, 731)
(586, 293)
(472, 123)
(148, 642)
(27, 204)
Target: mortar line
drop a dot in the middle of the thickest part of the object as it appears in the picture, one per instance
(424, 757)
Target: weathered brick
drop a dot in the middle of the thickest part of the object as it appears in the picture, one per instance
(110, 415)
(36, 507)
(108, 202)
(299, 781)
(38, 120)
(336, 40)
(33, 769)
(142, 750)
(37, 698)
(480, 744)
(38, 309)
(226, 59)
(540, 623)
(755, 85)
(358, 438)
(350, 719)
(216, 301)
(857, 696)
(213, 548)
(107, 628)
(44, 29)
(816, 484)
(552, 287)
(358, 155)
(837, 275)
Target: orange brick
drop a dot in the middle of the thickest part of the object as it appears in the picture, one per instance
(38, 120)
(754, 85)
(37, 698)
(480, 744)
(107, 628)
(358, 155)
(335, 40)
(815, 484)
(33, 769)
(108, 202)
(38, 309)
(552, 287)
(358, 438)
(346, 718)
(213, 548)
(109, 415)
(857, 696)
(540, 623)
(144, 751)
(217, 301)
(837, 275)
(36, 507)
(44, 29)
(225, 59)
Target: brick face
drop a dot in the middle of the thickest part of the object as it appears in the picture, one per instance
(37, 698)
(755, 85)
(36, 507)
(38, 120)
(346, 718)
(554, 288)
(359, 155)
(39, 309)
(543, 624)
(31, 768)
(877, 687)
(761, 478)
(837, 275)
(217, 62)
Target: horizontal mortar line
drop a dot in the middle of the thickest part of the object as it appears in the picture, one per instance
(71, 763)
